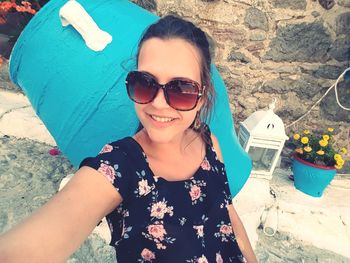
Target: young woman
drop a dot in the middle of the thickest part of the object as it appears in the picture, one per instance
(164, 191)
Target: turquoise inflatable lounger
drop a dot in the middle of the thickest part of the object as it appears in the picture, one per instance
(78, 91)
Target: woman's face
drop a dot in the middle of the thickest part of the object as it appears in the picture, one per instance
(166, 60)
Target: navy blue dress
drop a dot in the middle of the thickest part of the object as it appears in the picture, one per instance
(162, 221)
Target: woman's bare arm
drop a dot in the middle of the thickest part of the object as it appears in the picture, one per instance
(57, 229)
(241, 236)
(237, 225)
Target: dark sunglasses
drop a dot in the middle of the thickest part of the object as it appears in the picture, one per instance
(180, 94)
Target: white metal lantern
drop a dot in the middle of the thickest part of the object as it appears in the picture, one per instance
(262, 135)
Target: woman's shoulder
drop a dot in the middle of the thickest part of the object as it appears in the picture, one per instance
(216, 147)
(120, 151)
(120, 145)
(213, 141)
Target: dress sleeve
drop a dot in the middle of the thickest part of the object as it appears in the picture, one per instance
(112, 162)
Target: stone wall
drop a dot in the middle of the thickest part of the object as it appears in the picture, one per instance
(292, 50)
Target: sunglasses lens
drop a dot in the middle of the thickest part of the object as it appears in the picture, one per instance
(182, 95)
(140, 87)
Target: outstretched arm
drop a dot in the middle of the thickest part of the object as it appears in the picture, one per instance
(58, 228)
(237, 225)
(241, 236)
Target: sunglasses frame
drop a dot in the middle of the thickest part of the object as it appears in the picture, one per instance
(164, 88)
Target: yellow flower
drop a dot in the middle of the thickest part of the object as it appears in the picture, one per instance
(296, 136)
(343, 151)
(337, 156)
(325, 137)
(306, 132)
(304, 140)
(340, 162)
(307, 149)
(320, 152)
(330, 129)
(323, 143)
(299, 150)
(338, 166)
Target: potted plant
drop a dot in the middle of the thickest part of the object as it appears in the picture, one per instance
(315, 161)
(14, 16)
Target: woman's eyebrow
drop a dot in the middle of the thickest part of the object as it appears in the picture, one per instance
(174, 78)
(148, 73)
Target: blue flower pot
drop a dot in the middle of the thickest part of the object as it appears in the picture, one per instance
(311, 179)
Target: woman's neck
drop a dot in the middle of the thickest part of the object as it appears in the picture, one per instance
(178, 146)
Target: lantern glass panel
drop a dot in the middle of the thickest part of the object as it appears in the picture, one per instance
(241, 141)
(262, 158)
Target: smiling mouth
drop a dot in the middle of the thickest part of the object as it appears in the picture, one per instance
(161, 119)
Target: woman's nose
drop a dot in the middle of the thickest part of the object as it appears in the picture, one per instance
(160, 101)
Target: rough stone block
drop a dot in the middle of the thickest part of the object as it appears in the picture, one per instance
(150, 5)
(305, 87)
(292, 4)
(305, 42)
(327, 4)
(329, 107)
(345, 3)
(340, 48)
(234, 85)
(315, 14)
(257, 36)
(239, 56)
(327, 72)
(229, 34)
(256, 18)
(343, 24)
(255, 47)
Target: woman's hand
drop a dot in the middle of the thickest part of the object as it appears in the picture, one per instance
(57, 229)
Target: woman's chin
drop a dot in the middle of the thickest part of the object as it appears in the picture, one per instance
(159, 137)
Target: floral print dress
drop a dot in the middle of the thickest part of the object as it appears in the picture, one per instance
(167, 221)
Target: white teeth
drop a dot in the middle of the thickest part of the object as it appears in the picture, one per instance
(161, 119)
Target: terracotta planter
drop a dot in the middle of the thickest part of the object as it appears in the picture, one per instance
(311, 179)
